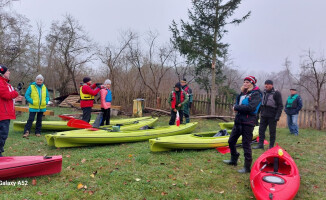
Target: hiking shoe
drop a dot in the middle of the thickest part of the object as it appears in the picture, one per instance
(26, 134)
(38, 135)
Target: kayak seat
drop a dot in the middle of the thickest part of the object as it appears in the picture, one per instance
(274, 179)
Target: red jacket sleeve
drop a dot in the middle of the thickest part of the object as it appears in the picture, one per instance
(88, 90)
(6, 94)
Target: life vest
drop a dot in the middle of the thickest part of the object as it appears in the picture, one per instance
(174, 98)
(108, 97)
(291, 101)
(85, 96)
(186, 89)
(245, 101)
(37, 102)
(268, 99)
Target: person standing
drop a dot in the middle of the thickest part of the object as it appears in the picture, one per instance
(292, 107)
(106, 98)
(87, 94)
(246, 108)
(270, 113)
(8, 95)
(188, 105)
(37, 96)
(177, 99)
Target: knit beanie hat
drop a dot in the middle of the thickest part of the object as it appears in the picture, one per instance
(178, 85)
(251, 79)
(39, 77)
(3, 69)
(107, 81)
(86, 79)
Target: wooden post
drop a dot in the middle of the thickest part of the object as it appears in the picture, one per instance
(158, 103)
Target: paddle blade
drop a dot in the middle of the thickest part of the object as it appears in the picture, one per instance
(223, 150)
(66, 117)
(77, 123)
(177, 120)
(265, 141)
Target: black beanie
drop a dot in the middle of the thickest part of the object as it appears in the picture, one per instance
(178, 85)
(3, 69)
(86, 79)
(270, 82)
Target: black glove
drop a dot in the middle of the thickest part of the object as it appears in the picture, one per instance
(190, 104)
(98, 85)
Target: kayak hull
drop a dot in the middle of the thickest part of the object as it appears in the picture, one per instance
(29, 166)
(62, 125)
(103, 137)
(275, 175)
(204, 140)
(129, 127)
(226, 125)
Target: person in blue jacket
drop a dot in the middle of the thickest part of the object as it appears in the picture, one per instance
(292, 107)
(37, 96)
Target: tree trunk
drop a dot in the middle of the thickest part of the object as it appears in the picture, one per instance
(317, 110)
(213, 90)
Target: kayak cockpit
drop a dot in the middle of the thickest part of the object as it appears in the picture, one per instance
(276, 165)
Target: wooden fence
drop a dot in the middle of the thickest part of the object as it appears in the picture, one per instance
(224, 104)
(200, 106)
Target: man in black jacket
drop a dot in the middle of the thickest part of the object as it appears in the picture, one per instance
(271, 110)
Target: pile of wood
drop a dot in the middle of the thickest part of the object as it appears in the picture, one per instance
(69, 101)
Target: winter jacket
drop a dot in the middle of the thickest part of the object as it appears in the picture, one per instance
(106, 98)
(7, 102)
(248, 108)
(87, 89)
(272, 105)
(176, 98)
(38, 97)
(295, 107)
(188, 90)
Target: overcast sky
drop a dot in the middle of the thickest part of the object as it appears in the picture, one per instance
(275, 30)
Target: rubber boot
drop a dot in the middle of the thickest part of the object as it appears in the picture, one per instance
(233, 161)
(258, 146)
(246, 167)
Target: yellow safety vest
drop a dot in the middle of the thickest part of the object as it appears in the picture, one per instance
(85, 96)
(36, 98)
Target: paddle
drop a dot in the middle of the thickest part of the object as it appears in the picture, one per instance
(78, 123)
(66, 117)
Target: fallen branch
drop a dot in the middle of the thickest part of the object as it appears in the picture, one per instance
(158, 110)
(213, 117)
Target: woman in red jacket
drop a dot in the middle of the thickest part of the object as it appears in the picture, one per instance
(7, 107)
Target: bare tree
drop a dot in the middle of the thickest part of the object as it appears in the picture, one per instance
(312, 78)
(112, 57)
(152, 67)
(73, 50)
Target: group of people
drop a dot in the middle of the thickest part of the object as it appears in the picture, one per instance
(38, 97)
(248, 104)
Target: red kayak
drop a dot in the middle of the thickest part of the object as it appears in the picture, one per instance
(28, 166)
(275, 175)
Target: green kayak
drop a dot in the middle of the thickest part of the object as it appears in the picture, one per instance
(62, 125)
(87, 138)
(226, 125)
(204, 140)
(127, 127)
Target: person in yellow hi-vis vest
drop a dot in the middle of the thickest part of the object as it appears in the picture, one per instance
(37, 96)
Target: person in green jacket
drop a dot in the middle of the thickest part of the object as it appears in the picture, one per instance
(37, 96)
(177, 99)
(187, 106)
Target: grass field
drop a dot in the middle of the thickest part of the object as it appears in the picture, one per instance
(131, 171)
